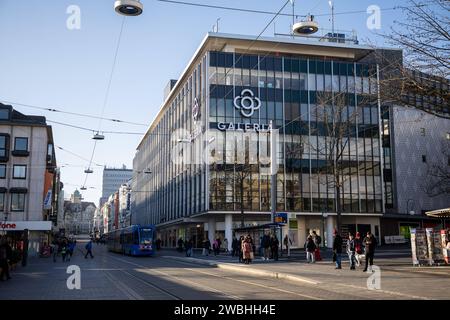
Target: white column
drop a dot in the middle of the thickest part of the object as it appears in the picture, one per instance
(229, 230)
(211, 230)
(330, 229)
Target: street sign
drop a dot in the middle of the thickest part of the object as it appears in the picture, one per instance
(281, 217)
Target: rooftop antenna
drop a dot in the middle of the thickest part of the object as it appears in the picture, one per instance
(330, 2)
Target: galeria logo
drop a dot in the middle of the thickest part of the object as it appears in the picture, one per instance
(196, 110)
(247, 103)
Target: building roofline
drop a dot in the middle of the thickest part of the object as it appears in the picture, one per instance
(215, 35)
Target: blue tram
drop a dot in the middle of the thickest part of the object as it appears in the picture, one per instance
(135, 240)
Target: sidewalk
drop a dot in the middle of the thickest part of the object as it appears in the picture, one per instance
(399, 280)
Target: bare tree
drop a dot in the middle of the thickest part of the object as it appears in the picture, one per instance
(438, 174)
(336, 122)
(421, 78)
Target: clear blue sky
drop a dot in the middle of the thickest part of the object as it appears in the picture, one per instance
(43, 63)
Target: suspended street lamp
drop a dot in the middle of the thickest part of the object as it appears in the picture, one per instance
(88, 170)
(128, 7)
(98, 136)
(306, 27)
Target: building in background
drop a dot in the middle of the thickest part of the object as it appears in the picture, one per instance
(29, 180)
(281, 80)
(113, 178)
(124, 194)
(78, 215)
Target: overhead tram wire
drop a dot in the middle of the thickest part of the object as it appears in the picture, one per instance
(287, 14)
(105, 100)
(78, 156)
(73, 113)
(92, 130)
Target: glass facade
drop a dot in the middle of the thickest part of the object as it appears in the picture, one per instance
(289, 89)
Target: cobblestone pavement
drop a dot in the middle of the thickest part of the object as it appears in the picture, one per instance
(114, 276)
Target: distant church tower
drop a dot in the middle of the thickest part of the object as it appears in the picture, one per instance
(76, 197)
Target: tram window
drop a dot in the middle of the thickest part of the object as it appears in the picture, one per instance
(135, 237)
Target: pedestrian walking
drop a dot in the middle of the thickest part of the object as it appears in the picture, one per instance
(216, 247)
(369, 244)
(206, 247)
(358, 249)
(265, 244)
(287, 243)
(351, 251)
(225, 245)
(240, 249)
(317, 241)
(310, 249)
(64, 250)
(71, 249)
(234, 245)
(274, 247)
(5, 256)
(247, 251)
(337, 249)
(88, 247)
(180, 245)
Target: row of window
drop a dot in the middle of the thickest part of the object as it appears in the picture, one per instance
(20, 144)
(17, 202)
(19, 171)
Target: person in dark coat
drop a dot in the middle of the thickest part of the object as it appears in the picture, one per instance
(180, 245)
(265, 244)
(337, 249)
(5, 256)
(274, 246)
(351, 251)
(310, 248)
(370, 243)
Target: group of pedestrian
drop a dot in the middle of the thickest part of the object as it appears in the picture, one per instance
(354, 248)
(63, 247)
(312, 247)
(269, 247)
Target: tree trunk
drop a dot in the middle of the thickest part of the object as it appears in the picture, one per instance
(338, 208)
(242, 202)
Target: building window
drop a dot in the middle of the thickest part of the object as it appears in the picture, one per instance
(19, 172)
(4, 114)
(17, 201)
(4, 146)
(424, 158)
(21, 144)
(2, 171)
(422, 132)
(2, 201)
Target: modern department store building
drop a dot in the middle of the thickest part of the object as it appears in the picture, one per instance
(227, 95)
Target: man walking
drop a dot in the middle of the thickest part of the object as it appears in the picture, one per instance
(310, 248)
(369, 242)
(351, 251)
(265, 244)
(89, 250)
(337, 249)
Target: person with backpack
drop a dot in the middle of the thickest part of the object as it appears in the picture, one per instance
(317, 241)
(88, 247)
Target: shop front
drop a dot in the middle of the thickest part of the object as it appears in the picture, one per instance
(35, 233)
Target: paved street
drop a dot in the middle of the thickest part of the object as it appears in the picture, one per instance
(171, 276)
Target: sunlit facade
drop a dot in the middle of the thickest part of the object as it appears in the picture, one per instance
(206, 138)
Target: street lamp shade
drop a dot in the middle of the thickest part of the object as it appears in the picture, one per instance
(98, 136)
(128, 7)
(305, 28)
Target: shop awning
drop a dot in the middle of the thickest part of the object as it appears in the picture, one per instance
(441, 213)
